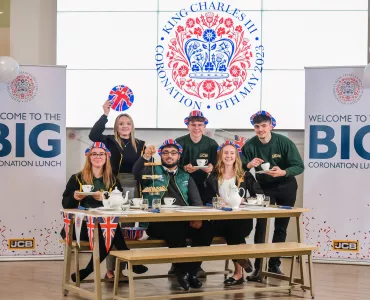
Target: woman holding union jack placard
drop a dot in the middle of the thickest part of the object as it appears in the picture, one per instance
(125, 151)
(97, 174)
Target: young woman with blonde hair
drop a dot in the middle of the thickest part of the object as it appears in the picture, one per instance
(229, 172)
(125, 149)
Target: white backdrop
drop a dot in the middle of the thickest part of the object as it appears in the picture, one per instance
(106, 43)
(32, 160)
(337, 161)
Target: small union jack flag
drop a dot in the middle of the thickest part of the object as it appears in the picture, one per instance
(108, 226)
(240, 140)
(67, 222)
(121, 97)
(90, 230)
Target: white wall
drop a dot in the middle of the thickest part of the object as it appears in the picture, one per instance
(33, 31)
(33, 41)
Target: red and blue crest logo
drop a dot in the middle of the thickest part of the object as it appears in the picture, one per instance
(348, 89)
(23, 88)
(210, 57)
(121, 97)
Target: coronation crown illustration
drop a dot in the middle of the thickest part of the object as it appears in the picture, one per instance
(22, 85)
(348, 88)
(209, 58)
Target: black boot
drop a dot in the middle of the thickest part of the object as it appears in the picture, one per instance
(183, 280)
(276, 270)
(255, 276)
(194, 282)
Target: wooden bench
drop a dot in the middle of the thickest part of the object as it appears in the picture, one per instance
(135, 244)
(189, 254)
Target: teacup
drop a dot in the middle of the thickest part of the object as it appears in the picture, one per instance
(252, 200)
(136, 201)
(106, 203)
(265, 166)
(87, 188)
(169, 201)
(202, 162)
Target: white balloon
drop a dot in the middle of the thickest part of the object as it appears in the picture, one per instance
(9, 69)
(366, 78)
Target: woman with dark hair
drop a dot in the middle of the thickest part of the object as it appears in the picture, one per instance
(229, 172)
(97, 171)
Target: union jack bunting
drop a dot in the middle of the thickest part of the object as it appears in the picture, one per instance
(108, 226)
(264, 113)
(90, 230)
(230, 143)
(133, 233)
(67, 218)
(240, 140)
(121, 97)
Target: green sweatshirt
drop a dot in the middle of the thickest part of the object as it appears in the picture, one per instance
(279, 151)
(206, 148)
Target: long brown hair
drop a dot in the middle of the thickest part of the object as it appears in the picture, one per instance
(220, 166)
(132, 134)
(88, 176)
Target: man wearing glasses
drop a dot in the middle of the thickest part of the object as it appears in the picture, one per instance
(179, 185)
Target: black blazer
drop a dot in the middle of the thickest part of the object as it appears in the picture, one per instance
(116, 159)
(247, 182)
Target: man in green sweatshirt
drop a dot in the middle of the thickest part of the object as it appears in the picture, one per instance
(197, 146)
(278, 182)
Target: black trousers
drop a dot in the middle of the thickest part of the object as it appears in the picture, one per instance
(175, 235)
(284, 193)
(233, 231)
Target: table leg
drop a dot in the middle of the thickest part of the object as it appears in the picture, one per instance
(116, 278)
(131, 281)
(67, 259)
(302, 262)
(96, 258)
(263, 265)
(310, 272)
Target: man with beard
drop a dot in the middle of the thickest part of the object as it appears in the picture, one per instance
(278, 182)
(182, 187)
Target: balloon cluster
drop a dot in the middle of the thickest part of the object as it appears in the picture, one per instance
(9, 69)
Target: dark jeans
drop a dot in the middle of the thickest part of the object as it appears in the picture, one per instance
(175, 235)
(285, 194)
(233, 231)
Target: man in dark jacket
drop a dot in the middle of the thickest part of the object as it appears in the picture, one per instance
(179, 185)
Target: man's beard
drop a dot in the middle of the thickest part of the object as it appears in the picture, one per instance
(168, 166)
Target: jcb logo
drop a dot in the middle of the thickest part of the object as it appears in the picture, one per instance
(21, 244)
(350, 246)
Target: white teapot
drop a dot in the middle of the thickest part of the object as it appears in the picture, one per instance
(233, 197)
(116, 199)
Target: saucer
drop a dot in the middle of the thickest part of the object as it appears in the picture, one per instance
(262, 172)
(86, 193)
(106, 208)
(254, 204)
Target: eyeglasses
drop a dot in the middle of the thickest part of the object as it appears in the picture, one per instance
(97, 155)
(166, 153)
